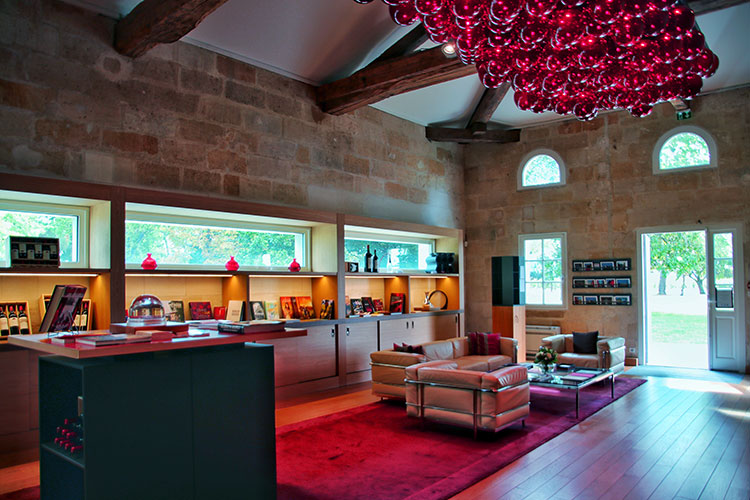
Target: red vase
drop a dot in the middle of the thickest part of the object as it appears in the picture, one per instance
(148, 263)
(294, 266)
(232, 264)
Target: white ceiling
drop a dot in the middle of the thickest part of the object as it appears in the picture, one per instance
(318, 41)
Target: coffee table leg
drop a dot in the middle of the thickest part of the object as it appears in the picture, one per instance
(612, 378)
(577, 390)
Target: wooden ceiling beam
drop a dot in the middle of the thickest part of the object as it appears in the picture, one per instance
(153, 22)
(706, 6)
(388, 78)
(466, 136)
(488, 104)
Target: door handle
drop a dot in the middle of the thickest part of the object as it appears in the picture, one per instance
(347, 331)
(333, 332)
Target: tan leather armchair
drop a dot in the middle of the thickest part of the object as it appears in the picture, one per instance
(438, 390)
(388, 366)
(610, 352)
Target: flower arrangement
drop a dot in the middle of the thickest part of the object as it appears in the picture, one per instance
(546, 357)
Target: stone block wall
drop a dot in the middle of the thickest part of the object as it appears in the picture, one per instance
(184, 118)
(610, 193)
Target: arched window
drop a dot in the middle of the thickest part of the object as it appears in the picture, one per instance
(683, 148)
(541, 168)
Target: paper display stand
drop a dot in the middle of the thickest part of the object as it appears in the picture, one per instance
(85, 314)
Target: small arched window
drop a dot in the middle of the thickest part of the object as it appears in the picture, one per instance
(541, 168)
(683, 148)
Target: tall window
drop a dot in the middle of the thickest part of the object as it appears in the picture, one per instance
(68, 224)
(541, 168)
(182, 242)
(684, 148)
(544, 255)
(405, 255)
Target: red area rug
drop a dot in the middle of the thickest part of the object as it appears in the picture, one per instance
(376, 452)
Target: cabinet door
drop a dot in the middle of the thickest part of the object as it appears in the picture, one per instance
(446, 326)
(284, 360)
(316, 353)
(422, 329)
(361, 340)
(394, 331)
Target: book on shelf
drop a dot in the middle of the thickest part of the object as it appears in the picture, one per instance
(367, 305)
(200, 310)
(396, 305)
(235, 310)
(176, 311)
(272, 309)
(288, 307)
(64, 305)
(357, 307)
(305, 307)
(255, 326)
(257, 309)
(326, 309)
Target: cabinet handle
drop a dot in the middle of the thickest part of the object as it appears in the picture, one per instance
(333, 332)
(407, 325)
(347, 331)
(412, 324)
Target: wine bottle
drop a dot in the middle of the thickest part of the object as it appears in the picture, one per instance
(375, 262)
(4, 326)
(23, 321)
(84, 316)
(13, 321)
(368, 260)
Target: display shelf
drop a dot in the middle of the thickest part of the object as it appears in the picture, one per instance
(55, 271)
(401, 275)
(50, 448)
(219, 273)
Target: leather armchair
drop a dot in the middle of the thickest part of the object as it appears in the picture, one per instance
(610, 352)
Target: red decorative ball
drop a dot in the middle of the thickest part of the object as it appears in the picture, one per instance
(404, 14)
(428, 7)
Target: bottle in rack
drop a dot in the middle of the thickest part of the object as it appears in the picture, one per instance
(368, 260)
(388, 265)
(83, 316)
(13, 321)
(4, 325)
(23, 321)
(375, 262)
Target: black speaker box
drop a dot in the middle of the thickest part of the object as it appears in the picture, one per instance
(508, 281)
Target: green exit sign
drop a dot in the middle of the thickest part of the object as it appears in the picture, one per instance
(684, 115)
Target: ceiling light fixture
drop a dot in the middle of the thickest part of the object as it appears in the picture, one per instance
(573, 56)
(449, 49)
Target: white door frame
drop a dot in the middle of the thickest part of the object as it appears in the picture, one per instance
(739, 283)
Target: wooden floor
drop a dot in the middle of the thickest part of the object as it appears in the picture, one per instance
(670, 438)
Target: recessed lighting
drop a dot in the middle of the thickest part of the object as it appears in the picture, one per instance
(449, 49)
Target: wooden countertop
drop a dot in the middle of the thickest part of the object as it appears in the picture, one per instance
(40, 342)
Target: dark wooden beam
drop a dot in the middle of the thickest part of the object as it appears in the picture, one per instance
(488, 104)
(159, 21)
(388, 78)
(406, 45)
(466, 136)
(706, 6)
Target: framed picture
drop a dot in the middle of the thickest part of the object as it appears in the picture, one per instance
(367, 304)
(588, 266)
(601, 283)
(623, 282)
(590, 300)
(606, 300)
(578, 300)
(622, 265)
(326, 309)
(577, 266)
(256, 307)
(622, 300)
(378, 304)
(352, 267)
(305, 307)
(220, 312)
(200, 310)
(348, 305)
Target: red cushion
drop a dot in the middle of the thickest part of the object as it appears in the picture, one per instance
(416, 349)
(484, 344)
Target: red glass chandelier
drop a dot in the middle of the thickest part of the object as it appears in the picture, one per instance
(572, 56)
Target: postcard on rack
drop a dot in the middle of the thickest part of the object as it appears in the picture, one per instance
(357, 307)
(396, 305)
(256, 307)
(288, 307)
(378, 304)
(326, 309)
(367, 305)
(176, 311)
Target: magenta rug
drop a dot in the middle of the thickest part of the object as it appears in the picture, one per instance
(376, 452)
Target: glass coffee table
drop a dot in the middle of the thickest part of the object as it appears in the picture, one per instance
(573, 379)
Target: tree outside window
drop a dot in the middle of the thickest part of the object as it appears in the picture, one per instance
(544, 256)
(684, 150)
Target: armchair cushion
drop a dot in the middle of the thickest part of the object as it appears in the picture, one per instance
(585, 342)
(396, 358)
(484, 343)
(408, 348)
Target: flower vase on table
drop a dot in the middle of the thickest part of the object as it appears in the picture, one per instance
(546, 358)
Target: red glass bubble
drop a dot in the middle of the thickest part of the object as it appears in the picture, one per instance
(572, 3)
(539, 104)
(522, 100)
(439, 37)
(395, 2)
(503, 11)
(667, 48)
(525, 59)
(467, 8)
(693, 42)
(691, 86)
(554, 83)
(428, 7)
(661, 4)
(563, 106)
(439, 21)
(491, 81)
(558, 61)
(567, 18)
(627, 30)
(467, 23)
(540, 8)
(597, 29)
(635, 8)
(403, 14)
(566, 37)
(606, 11)
(681, 20)
(533, 33)
(655, 21)
(585, 110)
(499, 39)
(592, 58)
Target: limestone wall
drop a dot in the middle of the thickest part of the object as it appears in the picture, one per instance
(184, 118)
(611, 192)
